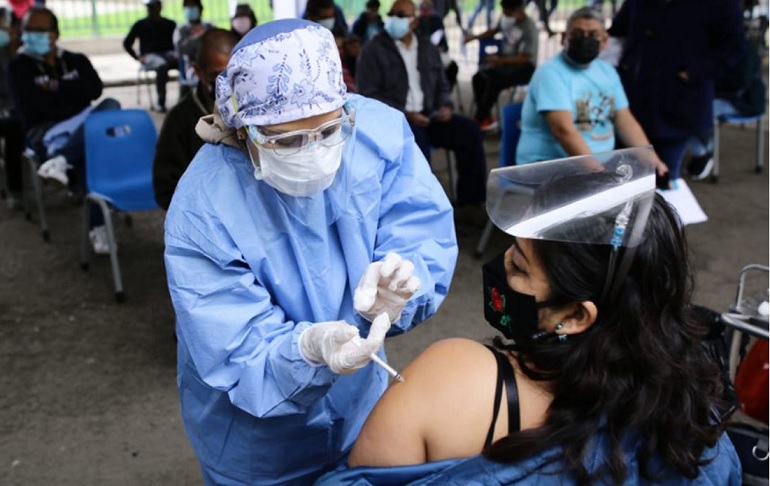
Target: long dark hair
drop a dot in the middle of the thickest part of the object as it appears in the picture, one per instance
(640, 366)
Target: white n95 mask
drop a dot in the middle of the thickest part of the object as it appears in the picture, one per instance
(307, 172)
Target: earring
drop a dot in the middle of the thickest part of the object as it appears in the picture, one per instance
(559, 327)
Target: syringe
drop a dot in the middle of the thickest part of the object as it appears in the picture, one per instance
(392, 372)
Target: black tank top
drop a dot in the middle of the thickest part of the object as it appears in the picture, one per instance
(504, 375)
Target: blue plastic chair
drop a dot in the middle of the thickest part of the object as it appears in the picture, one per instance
(488, 47)
(120, 146)
(511, 131)
(760, 143)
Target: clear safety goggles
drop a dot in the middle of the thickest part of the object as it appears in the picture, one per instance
(329, 134)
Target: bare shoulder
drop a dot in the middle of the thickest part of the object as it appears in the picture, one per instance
(451, 382)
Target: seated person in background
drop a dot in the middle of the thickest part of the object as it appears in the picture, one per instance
(398, 69)
(369, 23)
(512, 66)
(178, 143)
(244, 19)
(52, 90)
(156, 47)
(349, 48)
(575, 103)
(601, 377)
(328, 14)
(186, 41)
(11, 130)
(430, 28)
(739, 92)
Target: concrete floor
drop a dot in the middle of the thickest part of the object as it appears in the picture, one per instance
(87, 386)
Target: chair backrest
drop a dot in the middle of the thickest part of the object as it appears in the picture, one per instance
(511, 130)
(120, 146)
(488, 47)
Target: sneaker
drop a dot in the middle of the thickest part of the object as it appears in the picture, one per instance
(488, 124)
(700, 167)
(98, 237)
(55, 168)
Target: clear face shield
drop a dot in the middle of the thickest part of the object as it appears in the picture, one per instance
(600, 199)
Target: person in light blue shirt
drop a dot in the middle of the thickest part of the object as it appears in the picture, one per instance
(575, 103)
(309, 221)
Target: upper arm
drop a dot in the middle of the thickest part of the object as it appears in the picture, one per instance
(441, 411)
(559, 121)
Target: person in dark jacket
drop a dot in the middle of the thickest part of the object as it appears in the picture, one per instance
(369, 23)
(178, 143)
(156, 47)
(398, 69)
(671, 54)
(10, 124)
(328, 14)
(244, 19)
(52, 90)
(739, 92)
(428, 24)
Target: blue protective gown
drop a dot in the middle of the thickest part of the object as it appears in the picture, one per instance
(540, 470)
(250, 268)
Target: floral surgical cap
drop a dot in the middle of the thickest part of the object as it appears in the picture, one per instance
(281, 71)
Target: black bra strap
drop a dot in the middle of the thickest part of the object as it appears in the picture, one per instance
(496, 404)
(512, 392)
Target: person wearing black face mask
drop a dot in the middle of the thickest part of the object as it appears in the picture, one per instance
(601, 370)
(178, 143)
(575, 103)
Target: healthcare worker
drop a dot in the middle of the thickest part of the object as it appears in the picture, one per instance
(307, 215)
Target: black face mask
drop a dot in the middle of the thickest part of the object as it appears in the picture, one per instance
(512, 313)
(582, 50)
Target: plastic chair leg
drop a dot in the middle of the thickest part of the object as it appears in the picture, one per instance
(481, 247)
(715, 170)
(33, 180)
(85, 244)
(116, 277)
(452, 171)
(760, 145)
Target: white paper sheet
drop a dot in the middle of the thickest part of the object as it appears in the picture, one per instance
(683, 200)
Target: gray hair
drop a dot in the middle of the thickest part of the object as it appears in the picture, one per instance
(585, 13)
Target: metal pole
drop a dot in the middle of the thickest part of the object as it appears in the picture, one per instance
(94, 18)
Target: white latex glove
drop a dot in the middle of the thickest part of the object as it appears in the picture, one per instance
(385, 287)
(338, 344)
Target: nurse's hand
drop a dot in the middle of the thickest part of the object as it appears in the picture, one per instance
(338, 344)
(385, 287)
